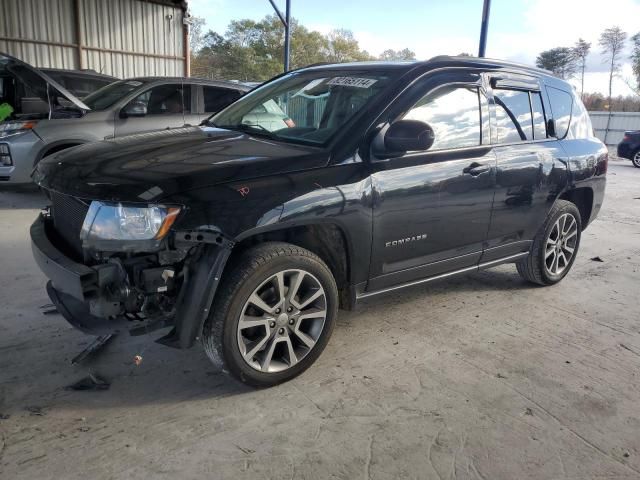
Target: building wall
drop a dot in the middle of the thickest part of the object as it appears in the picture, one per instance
(620, 122)
(123, 38)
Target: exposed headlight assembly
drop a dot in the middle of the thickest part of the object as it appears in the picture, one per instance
(109, 222)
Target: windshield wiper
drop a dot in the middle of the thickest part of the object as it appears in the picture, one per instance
(249, 127)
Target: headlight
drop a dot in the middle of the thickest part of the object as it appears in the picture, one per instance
(115, 221)
(10, 127)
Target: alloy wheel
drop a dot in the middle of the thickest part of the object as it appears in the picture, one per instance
(281, 321)
(561, 244)
(636, 159)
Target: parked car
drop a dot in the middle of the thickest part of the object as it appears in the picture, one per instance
(249, 238)
(129, 106)
(20, 88)
(629, 147)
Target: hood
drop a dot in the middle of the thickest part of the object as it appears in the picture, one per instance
(152, 167)
(36, 82)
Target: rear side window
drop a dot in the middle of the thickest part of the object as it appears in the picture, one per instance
(215, 99)
(561, 103)
(513, 116)
(453, 113)
(539, 123)
(580, 126)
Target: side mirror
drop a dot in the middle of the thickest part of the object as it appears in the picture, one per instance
(134, 109)
(408, 135)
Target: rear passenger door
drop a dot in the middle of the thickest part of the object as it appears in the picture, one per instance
(531, 164)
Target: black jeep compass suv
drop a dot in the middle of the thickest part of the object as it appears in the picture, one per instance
(324, 186)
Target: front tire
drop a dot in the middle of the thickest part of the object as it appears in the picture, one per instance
(273, 315)
(555, 246)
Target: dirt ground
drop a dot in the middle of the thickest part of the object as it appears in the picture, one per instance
(481, 376)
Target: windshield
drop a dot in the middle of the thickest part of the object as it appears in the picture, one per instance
(304, 107)
(109, 95)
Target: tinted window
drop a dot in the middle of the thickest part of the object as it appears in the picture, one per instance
(513, 116)
(215, 99)
(539, 125)
(163, 99)
(580, 126)
(454, 115)
(561, 109)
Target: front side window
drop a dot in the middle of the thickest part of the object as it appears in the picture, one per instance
(304, 107)
(513, 116)
(162, 100)
(453, 112)
(112, 93)
(561, 102)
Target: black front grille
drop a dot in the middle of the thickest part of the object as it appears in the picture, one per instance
(68, 215)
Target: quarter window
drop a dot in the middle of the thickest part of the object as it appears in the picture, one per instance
(561, 108)
(453, 113)
(513, 116)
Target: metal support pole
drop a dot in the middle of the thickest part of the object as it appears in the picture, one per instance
(286, 21)
(484, 28)
(287, 36)
(78, 26)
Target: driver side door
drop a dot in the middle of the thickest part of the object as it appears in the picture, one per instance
(165, 106)
(432, 208)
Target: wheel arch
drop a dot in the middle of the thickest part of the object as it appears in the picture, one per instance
(328, 240)
(56, 147)
(582, 198)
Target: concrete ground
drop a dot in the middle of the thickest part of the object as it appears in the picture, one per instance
(483, 376)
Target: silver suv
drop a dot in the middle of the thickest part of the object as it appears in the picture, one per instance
(135, 105)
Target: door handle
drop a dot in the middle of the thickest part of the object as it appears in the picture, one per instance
(476, 169)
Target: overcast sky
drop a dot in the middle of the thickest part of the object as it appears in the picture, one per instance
(518, 29)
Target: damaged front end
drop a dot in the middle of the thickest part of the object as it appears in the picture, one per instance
(115, 267)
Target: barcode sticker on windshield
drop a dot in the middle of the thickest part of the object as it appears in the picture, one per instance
(352, 82)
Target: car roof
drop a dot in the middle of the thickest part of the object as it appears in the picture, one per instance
(199, 81)
(435, 62)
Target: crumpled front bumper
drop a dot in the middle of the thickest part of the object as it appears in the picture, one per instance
(71, 285)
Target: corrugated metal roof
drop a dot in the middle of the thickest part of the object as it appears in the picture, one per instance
(123, 38)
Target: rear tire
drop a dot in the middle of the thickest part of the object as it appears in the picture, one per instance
(635, 158)
(273, 315)
(555, 246)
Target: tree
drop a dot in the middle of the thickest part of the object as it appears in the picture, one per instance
(580, 52)
(343, 47)
(253, 50)
(612, 42)
(635, 60)
(560, 60)
(196, 37)
(397, 55)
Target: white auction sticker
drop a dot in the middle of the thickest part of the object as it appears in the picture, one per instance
(352, 82)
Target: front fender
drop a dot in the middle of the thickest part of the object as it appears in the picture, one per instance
(200, 285)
